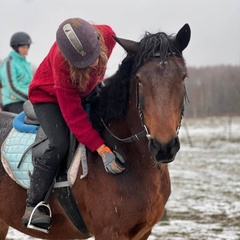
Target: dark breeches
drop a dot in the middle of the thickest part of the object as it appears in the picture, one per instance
(50, 117)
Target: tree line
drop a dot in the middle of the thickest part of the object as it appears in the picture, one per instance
(213, 91)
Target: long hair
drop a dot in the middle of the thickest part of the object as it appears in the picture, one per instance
(80, 77)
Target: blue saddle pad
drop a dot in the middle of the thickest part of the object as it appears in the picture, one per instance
(18, 123)
(12, 150)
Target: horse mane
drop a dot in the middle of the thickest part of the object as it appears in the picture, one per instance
(159, 45)
(111, 101)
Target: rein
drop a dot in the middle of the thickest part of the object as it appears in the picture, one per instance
(135, 137)
(143, 133)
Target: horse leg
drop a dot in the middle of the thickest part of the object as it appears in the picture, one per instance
(3, 230)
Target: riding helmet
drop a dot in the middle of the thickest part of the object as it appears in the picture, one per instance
(78, 41)
(19, 39)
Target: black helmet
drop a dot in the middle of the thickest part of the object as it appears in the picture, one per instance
(20, 38)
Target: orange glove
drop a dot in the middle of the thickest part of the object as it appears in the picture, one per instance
(109, 160)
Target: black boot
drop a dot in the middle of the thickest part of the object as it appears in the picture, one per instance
(41, 181)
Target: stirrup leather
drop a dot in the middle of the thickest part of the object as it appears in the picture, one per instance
(31, 226)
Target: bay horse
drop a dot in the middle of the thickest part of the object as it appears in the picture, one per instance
(138, 112)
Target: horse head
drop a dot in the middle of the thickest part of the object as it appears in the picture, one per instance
(157, 75)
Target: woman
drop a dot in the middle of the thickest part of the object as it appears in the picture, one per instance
(16, 74)
(75, 64)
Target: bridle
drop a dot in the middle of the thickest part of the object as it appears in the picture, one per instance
(135, 137)
(144, 132)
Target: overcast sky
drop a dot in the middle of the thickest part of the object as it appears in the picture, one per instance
(215, 25)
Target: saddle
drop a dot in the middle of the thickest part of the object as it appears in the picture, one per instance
(41, 142)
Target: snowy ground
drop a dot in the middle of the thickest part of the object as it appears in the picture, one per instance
(205, 199)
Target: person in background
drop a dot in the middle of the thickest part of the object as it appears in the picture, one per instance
(75, 64)
(16, 74)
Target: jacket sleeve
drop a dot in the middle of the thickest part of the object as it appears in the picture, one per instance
(77, 118)
(14, 77)
(73, 112)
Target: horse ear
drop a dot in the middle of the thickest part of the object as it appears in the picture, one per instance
(129, 45)
(183, 37)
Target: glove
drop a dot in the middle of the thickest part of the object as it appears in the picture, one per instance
(112, 164)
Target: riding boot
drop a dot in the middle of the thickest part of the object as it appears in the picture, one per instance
(41, 181)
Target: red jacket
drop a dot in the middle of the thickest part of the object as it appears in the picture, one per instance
(52, 83)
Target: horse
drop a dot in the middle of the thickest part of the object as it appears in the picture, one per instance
(138, 111)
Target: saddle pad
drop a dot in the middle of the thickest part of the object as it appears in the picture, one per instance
(12, 149)
(18, 124)
(14, 146)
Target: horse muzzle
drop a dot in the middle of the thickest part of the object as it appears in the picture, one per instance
(164, 153)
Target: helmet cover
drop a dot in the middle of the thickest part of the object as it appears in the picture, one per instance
(78, 41)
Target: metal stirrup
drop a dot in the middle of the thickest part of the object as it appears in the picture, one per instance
(41, 204)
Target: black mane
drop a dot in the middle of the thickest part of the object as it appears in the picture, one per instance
(111, 101)
(158, 44)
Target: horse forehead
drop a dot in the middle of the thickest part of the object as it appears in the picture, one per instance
(176, 64)
(155, 69)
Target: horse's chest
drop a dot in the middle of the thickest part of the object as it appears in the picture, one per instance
(144, 195)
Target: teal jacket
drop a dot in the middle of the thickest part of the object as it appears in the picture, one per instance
(15, 77)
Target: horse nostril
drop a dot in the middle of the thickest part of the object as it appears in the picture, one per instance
(154, 146)
(175, 145)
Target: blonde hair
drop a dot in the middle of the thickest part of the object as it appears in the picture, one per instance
(80, 77)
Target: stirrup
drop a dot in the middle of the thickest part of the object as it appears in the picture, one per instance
(31, 226)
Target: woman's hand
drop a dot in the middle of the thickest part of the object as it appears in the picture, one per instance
(109, 160)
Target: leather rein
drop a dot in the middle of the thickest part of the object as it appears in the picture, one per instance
(135, 137)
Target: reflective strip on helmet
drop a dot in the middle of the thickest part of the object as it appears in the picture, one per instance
(72, 37)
